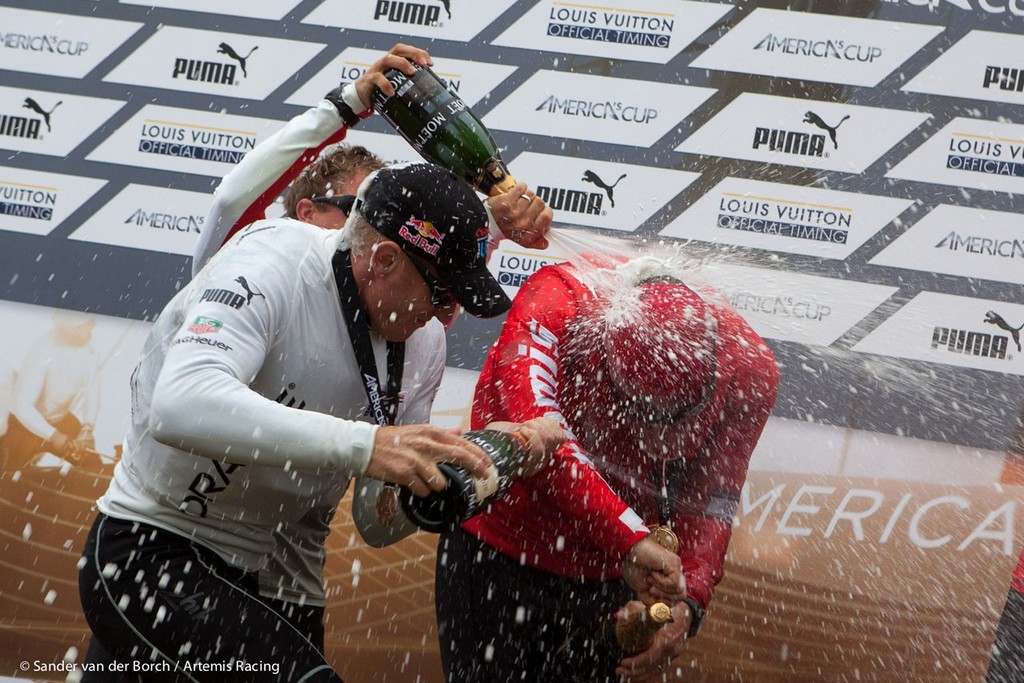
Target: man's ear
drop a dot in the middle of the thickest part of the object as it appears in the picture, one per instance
(305, 209)
(387, 259)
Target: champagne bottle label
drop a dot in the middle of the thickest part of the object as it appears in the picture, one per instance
(486, 487)
(433, 106)
(439, 125)
(465, 495)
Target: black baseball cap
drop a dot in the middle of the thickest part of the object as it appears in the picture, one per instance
(437, 217)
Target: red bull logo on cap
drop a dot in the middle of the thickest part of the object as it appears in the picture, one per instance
(482, 239)
(421, 234)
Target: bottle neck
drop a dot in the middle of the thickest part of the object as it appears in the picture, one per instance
(503, 186)
(635, 634)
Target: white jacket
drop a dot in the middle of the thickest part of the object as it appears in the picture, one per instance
(247, 400)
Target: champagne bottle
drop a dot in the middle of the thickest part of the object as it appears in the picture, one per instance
(443, 129)
(636, 633)
(609, 639)
(465, 495)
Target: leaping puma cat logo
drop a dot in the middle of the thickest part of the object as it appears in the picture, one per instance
(226, 49)
(994, 318)
(34, 106)
(812, 118)
(591, 177)
(250, 293)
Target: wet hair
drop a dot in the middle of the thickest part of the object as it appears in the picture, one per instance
(330, 170)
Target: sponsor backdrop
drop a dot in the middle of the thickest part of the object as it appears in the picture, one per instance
(847, 173)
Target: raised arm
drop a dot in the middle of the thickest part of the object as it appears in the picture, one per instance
(250, 187)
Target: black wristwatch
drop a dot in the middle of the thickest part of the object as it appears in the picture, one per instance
(698, 613)
(348, 116)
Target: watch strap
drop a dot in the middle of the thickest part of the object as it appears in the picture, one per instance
(347, 115)
(697, 619)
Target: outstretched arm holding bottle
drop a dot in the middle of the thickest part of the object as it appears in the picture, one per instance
(375, 509)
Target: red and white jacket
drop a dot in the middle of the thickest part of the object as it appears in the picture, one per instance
(1017, 579)
(244, 194)
(580, 515)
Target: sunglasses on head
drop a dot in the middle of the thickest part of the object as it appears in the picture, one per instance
(345, 202)
(440, 295)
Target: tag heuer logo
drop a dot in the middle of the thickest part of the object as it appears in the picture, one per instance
(204, 325)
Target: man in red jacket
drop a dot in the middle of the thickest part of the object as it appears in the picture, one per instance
(664, 393)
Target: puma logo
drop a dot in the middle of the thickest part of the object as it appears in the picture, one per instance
(812, 118)
(447, 7)
(198, 606)
(249, 292)
(226, 49)
(591, 177)
(994, 318)
(34, 106)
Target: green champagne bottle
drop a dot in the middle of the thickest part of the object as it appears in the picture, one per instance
(464, 495)
(446, 132)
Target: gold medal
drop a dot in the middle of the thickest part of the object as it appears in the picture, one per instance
(387, 504)
(665, 537)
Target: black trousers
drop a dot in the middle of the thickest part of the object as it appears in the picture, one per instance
(164, 608)
(499, 620)
(1006, 663)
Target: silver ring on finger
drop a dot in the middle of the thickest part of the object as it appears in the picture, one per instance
(524, 197)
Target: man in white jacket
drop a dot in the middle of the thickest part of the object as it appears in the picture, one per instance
(248, 407)
(322, 174)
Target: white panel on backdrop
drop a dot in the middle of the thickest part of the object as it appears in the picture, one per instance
(36, 203)
(598, 108)
(512, 264)
(816, 47)
(151, 218)
(888, 456)
(472, 81)
(50, 123)
(454, 400)
(62, 45)
(807, 133)
(808, 448)
(964, 241)
(956, 10)
(599, 194)
(952, 330)
(214, 62)
(434, 19)
(799, 447)
(257, 9)
(786, 218)
(650, 31)
(794, 307)
(185, 140)
(983, 65)
(985, 155)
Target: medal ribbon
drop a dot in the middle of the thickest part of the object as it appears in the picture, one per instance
(383, 398)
